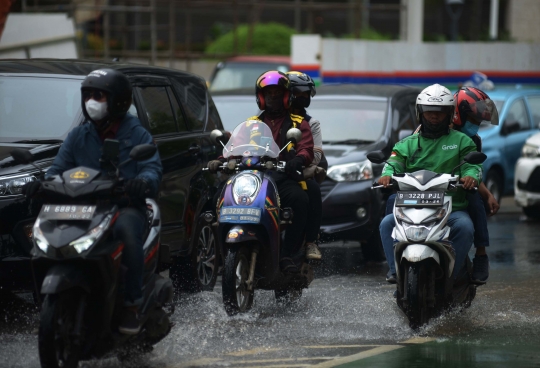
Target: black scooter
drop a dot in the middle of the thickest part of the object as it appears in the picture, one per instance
(78, 272)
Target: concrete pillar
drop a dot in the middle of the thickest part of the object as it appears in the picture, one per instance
(415, 21)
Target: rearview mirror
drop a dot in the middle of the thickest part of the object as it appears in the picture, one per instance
(22, 156)
(475, 158)
(377, 157)
(509, 128)
(142, 152)
(294, 135)
(217, 136)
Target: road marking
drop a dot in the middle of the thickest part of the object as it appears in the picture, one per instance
(418, 340)
(197, 363)
(363, 355)
(338, 346)
(252, 351)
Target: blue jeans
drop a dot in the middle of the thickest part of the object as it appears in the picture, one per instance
(129, 229)
(461, 236)
(477, 211)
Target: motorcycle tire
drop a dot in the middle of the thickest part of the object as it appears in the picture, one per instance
(236, 297)
(57, 319)
(417, 294)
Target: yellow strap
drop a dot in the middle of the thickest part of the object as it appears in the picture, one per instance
(303, 184)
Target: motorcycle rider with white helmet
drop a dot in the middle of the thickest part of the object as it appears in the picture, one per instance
(436, 148)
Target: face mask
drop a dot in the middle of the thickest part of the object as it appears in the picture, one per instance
(96, 110)
(470, 129)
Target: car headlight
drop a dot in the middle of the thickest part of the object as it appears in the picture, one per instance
(13, 185)
(85, 242)
(530, 151)
(39, 238)
(245, 186)
(351, 172)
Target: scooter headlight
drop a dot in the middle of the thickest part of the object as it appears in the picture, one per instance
(401, 216)
(85, 242)
(39, 238)
(245, 187)
(437, 216)
(417, 233)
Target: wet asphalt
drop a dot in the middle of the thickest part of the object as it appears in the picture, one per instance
(347, 318)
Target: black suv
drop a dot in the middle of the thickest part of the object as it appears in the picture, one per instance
(40, 103)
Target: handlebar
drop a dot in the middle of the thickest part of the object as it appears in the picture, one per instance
(269, 165)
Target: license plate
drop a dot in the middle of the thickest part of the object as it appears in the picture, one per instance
(240, 214)
(67, 212)
(420, 199)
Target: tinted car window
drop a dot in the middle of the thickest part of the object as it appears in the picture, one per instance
(181, 122)
(38, 108)
(161, 118)
(344, 120)
(534, 105)
(518, 114)
(240, 75)
(192, 93)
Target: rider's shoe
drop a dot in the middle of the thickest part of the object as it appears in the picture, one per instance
(480, 272)
(312, 252)
(391, 278)
(287, 265)
(130, 323)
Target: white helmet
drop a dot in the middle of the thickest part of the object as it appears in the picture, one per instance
(435, 98)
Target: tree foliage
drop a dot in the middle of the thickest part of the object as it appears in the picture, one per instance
(267, 39)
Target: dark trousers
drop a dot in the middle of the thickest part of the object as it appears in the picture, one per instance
(129, 229)
(313, 225)
(293, 196)
(477, 213)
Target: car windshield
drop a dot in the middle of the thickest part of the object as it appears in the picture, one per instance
(241, 75)
(38, 109)
(352, 121)
(251, 138)
(486, 124)
(234, 110)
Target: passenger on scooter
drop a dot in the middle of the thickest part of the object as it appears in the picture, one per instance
(106, 98)
(437, 148)
(303, 89)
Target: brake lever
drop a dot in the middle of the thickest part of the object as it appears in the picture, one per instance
(382, 186)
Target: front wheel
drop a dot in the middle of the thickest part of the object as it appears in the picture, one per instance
(418, 292)
(494, 183)
(236, 297)
(57, 345)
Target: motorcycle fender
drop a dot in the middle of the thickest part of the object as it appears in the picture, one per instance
(64, 277)
(243, 233)
(419, 252)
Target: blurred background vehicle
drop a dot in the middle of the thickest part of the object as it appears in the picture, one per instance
(243, 71)
(519, 116)
(40, 103)
(527, 177)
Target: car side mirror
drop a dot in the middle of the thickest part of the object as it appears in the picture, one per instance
(509, 128)
(22, 156)
(143, 152)
(475, 158)
(377, 157)
(404, 133)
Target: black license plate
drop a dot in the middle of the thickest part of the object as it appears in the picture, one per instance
(67, 212)
(240, 214)
(430, 198)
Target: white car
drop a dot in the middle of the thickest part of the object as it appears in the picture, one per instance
(527, 177)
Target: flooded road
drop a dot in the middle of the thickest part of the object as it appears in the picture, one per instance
(347, 318)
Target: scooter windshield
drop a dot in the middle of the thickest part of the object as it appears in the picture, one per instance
(251, 138)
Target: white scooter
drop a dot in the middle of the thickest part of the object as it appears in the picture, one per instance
(423, 253)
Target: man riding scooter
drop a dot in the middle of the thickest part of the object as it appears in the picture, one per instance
(106, 98)
(437, 148)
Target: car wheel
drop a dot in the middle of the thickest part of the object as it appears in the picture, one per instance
(532, 212)
(494, 184)
(198, 271)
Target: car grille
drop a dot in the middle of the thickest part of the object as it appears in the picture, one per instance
(326, 187)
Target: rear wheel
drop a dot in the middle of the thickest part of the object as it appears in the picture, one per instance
(56, 342)
(236, 297)
(417, 295)
(494, 184)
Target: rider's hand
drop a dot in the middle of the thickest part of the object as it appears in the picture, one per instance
(214, 165)
(137, 188)
(493, 205)
(30, 189)
(468, 182)
(385, 180)
(294, 166)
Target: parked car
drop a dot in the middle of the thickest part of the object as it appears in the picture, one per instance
(527, 177)
(519, 116)
(40, 102)
(355, 119)
(242, 71)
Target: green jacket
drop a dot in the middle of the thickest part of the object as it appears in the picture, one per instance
(439, 155)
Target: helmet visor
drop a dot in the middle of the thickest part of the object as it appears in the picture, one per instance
(300, 89)
(446, 109)
(484, 110)
(273, 78)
